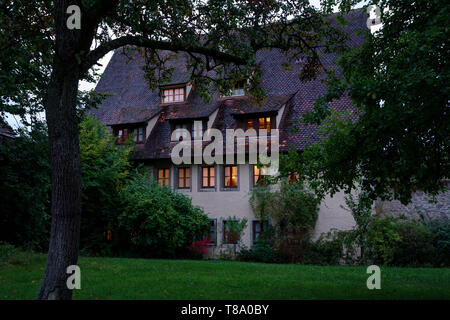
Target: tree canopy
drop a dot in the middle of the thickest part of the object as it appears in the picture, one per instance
(398, 81)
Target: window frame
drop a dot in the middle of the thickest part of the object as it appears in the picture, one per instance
(122, 133)
(213, 226)
(164, 178)
(243, 123)
(223, 187)
(201, 187)
(224, 233)
(177, 184)
(173, 95)
(252, 182)
(264, 224)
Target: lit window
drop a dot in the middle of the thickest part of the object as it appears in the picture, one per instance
(264, 123)
(208, 177)
(173, 95)
(258, 175)
(163, 177)
(184, 178)
(230, 176)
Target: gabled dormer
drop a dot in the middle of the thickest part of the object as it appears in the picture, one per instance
(176, 93)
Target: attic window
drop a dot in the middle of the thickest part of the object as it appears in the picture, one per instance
(173, 95)
(238, 89)
(123, 133)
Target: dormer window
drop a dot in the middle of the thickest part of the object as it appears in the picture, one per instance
(260, 123)
(238, 89)
(123, 133)
(194, 128)
(173, 95)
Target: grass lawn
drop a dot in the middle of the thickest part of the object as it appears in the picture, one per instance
(116, 278)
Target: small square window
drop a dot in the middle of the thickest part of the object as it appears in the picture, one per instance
(230, 176)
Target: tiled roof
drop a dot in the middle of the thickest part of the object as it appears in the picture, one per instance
(133, 102)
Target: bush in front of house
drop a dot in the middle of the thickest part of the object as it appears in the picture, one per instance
(157, 222)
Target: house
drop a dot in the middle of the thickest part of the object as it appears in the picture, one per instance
(222, 190)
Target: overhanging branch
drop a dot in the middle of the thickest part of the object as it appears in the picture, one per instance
(142, 42)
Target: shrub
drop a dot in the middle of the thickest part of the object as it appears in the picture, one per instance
(416, 246)
(441, 229)
(158, 222)
(198, 249)
(258, 253)
(327, 250)
(25, 189)
(293, 211)
(105, 169)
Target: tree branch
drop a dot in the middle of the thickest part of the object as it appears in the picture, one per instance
(139, 41)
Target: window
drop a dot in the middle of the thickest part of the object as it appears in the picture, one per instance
(122, 133)
(208, 177)
(184, 178)
(258, 175)
(163, 177)
(264, 123)
(258, 228)
(230, 176)
(139, 135)
(173, 95)
(238, 89)
(257, 124)
(230, 235)
(213, 231)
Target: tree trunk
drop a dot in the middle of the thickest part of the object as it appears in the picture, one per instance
(60, 107)
(66, 181)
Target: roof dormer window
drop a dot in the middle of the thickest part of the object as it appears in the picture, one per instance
(171, 95)
(238, 89)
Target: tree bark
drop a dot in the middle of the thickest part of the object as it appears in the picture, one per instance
(60, 107)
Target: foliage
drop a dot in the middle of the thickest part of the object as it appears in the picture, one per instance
(258, 253)
(105, 169)
(25, 189)
(417, 245)
(199, 248)
(292, 205)
(441, 229)
(293, 212)
(398, 80)
(157, 221)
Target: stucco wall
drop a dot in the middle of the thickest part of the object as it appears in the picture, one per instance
(220, 204)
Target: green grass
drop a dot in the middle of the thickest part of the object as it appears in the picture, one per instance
(116, 278)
